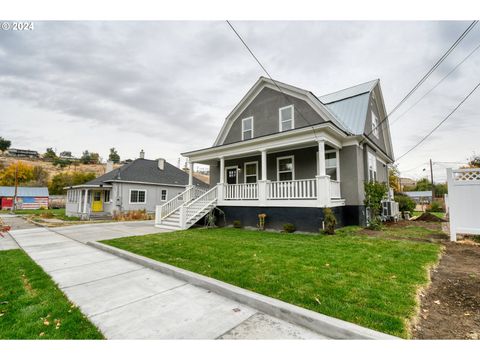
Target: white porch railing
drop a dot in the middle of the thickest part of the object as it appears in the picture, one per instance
(335, 189)
(292, 189)
(247, 191)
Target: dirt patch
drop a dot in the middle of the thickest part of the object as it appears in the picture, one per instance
(428, 217)
(450, 306)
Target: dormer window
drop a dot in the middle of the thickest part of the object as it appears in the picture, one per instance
(374, 125)
(286, 118)
(247, 128)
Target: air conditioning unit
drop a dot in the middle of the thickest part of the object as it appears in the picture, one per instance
(390, 210)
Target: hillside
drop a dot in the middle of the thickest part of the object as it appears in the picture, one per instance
(97, 169)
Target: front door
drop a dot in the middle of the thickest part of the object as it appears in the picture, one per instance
(231, 173)
(97, 203)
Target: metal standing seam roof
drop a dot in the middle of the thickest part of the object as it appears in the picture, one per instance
(24, 191)
(350, 105)
(146, 171)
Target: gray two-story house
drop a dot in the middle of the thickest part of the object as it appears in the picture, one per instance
(288, 153)
(139, 185)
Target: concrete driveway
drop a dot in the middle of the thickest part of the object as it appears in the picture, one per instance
(16, 222)
(128, 301)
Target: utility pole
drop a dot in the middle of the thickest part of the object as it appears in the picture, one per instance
(431, 175)
(16, 188)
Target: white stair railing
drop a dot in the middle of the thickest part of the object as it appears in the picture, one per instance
(198, 206)
(191, 193)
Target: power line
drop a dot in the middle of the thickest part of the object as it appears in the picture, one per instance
(425, 77)
(441, 122)
(438, 83)
(270, 77)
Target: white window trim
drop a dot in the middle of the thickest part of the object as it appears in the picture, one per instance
(245, 171)
(109, 197)
(375, 131)
(278, 167)
(369, 156)
(338, 161)
(166, 194)
(243, 128)
(280, 122)
(130, 196)
(226, 172)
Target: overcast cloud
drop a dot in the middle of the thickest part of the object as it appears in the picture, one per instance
(166, 87)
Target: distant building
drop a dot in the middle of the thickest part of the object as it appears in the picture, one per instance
(23, 153)
(27, 197)
(420, 197)
(407, 182)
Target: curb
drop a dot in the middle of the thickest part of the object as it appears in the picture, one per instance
(322, 324)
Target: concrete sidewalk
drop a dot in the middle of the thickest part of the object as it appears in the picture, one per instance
(128, 301)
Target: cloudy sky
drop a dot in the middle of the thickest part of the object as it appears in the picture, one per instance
(166, 87)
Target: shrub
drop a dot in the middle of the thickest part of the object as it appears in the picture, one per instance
(237, 224)
(435, 206)
(405, 203)
(261, 221)
(132, 215)
(375, 192)
(329, 221)
(47, 215)
(289, 228)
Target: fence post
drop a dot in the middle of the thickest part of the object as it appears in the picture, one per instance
(451, 203)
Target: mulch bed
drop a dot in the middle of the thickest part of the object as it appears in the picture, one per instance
(450, 306)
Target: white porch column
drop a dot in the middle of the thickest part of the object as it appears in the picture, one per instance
(323, 180)
(262, 184)
(190, 173)
(321, 158)
(85, 201)
(264, 164)
(222, 170)
(222, 179)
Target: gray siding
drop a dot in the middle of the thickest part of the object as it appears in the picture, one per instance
(380, 141)
(352, 175)
(264, 109)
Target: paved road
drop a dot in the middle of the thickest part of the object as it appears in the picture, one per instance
(128, 301)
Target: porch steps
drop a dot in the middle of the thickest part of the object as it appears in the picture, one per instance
(194, 210)
(100, 216)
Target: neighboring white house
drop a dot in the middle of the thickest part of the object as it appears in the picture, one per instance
(463, 201)
(140, 184)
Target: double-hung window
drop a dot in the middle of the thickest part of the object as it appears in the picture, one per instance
(286, 118)
(374, 125)
(331, 164)
(372, 167)
(138, 196)
(285, 168)
(106, 195)
(251, 171)
(164, 195)
(247, 128)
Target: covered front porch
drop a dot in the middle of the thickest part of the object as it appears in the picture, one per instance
(295, 175)
(89, 201)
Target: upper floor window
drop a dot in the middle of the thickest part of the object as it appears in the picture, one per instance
(286, 118)
(247, 128)
(372, 167)
(374, 124)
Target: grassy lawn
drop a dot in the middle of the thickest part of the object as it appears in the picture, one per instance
(32, 307)
(353, 275)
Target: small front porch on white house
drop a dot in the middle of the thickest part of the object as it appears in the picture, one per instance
(297, 175)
